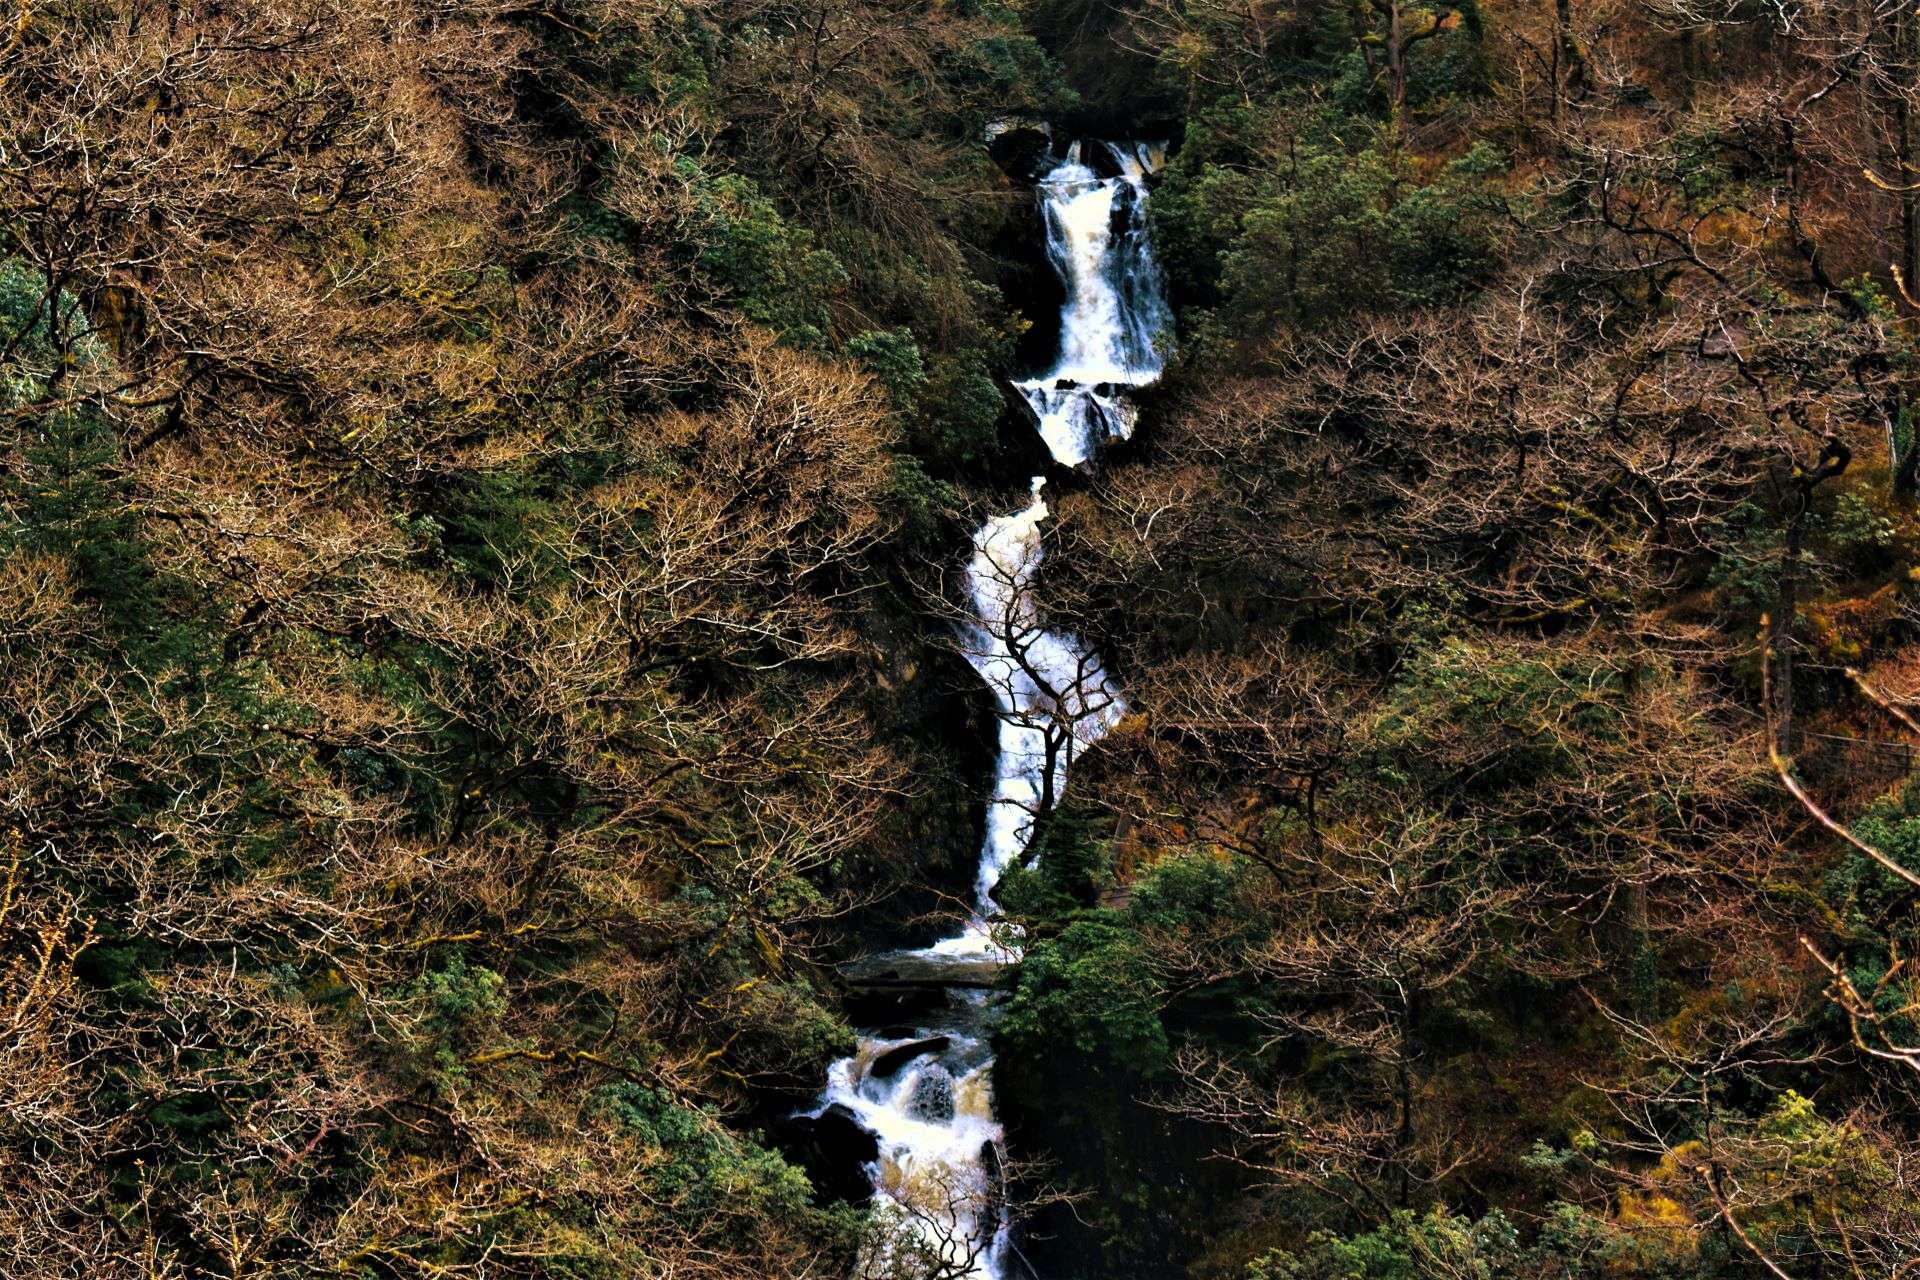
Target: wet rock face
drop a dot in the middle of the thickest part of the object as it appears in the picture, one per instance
(902, 1008)
(932, 1098)
(917, 969)
(1102, 162)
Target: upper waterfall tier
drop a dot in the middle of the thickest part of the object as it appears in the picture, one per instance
(1115, 316)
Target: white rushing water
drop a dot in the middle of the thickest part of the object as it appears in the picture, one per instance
(1115, 312)
(1052, 695)
(925, 1091)
(937, 1172)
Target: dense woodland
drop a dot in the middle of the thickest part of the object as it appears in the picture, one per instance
(482, 492)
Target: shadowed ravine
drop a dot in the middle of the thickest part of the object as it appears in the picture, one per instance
(924, 1090)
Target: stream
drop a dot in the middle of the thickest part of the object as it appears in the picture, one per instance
(924, 1088)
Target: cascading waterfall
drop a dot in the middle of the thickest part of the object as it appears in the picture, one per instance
(1115, 312)
(925, 1091)
(1052, 694)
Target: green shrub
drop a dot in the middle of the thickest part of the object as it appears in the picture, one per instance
(780, 277)
(892, 356)
(1091, 990)
(703, 1168)
(1185, 891)
(1302, 225)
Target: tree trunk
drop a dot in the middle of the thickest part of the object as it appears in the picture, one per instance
(1569, 68)
(1409, 1014)
(1780, 627)
(1833, 459)
(1396, 63)
(1906, 45)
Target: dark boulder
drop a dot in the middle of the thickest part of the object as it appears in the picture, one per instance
(1022, 148)
(886, 1064)
(834, 1149)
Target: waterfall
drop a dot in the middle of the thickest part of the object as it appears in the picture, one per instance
(925, 1091)
(1115, 311)
(1052, 695)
